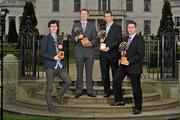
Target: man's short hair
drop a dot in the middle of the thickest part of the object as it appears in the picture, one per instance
(52, 22)
(84, 9)
(132, 22)
(108, 12)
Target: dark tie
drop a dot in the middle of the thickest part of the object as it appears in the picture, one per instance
(129, 40)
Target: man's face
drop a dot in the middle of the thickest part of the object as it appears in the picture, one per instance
(131, 29)
(108, 18)
(84, 15)
(53, 28)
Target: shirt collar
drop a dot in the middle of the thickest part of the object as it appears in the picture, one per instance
(132, 36)
(109, 24)
(84, 21)
(54, 35)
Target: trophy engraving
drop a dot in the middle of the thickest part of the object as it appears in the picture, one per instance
(83, 41)
(102, 35)
(123, 48)
(59, 45)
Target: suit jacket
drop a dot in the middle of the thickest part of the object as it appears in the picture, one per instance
(112, 40)
(90, 33)
(48, 51)
(135, 54)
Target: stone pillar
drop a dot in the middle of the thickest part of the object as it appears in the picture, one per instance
(178, 76)
(10, 69)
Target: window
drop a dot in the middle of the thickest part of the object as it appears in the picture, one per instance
(147, 27)
(99, 5)
(55, 6)
(177, 21)
(129, 5)
(147, 5)
(104, 5)
(77, 5)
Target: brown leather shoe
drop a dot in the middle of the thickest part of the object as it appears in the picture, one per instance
(52, 109)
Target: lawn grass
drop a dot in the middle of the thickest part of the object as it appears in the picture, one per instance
(12, 116)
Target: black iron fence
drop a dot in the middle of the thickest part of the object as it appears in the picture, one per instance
(152, 68)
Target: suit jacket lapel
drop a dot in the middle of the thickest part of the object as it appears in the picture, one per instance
(134, 38)
(87, 27)
(111, 29)
(51, 39)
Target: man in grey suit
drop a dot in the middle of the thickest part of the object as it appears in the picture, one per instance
(84, 53)
(54, 65)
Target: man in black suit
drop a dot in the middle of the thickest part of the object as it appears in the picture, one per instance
(109, 56)
(131, 67)
(54, 65)
(84, 53)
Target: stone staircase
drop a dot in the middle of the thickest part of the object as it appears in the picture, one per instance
(155, 106)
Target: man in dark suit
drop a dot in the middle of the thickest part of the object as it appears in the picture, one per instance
(131, 67)
(109, 55)
(54, 65)
(84, 53)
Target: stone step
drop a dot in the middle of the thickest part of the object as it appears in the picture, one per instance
(99, 90)
(98, 108)
(128, 98)
(166, 114)
(97, 82)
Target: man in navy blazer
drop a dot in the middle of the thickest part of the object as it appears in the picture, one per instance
(84, 53)
(54, 65)
(109, 56)
(131, 67)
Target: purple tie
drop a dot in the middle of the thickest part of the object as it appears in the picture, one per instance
(129, 40)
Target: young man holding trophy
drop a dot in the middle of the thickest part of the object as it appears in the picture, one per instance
(84, 34)
(132, 54)
(110, 37)
(53, 56)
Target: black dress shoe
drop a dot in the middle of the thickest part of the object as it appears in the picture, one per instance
(136, 111)
(107, 95)
(91, 95)
(78, 95)
(120, 103)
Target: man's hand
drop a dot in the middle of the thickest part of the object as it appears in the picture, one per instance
(101, 40)
(81, 36)
(57, 58)
(105, 49)
(60, 46)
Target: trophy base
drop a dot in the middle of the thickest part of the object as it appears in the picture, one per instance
(60, 54)
(123, 61)
(85, 41)
(102, 46)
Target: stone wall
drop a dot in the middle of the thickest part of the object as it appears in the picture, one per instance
(10, 76)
